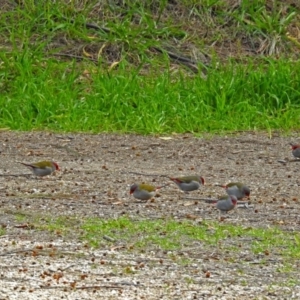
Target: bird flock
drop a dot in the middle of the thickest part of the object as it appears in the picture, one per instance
(234, 190)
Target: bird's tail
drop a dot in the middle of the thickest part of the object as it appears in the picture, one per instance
(27, 165)
(212, 201)
(220, 185)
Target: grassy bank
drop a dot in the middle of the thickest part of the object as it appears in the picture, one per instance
(57, 97)
(59, 74)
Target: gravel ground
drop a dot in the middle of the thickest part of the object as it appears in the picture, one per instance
(96, 172)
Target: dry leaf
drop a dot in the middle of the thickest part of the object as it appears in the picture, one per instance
(166, 138)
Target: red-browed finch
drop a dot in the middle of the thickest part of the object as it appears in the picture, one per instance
(188, 183)
(295, 150)
(143, 191)
(237, 189)
(42, 168)
(226, 203)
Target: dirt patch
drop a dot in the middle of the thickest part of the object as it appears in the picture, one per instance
(94, 182)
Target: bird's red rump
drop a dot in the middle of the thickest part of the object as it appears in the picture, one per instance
(56, 166)
(202, 180)
(176, 180)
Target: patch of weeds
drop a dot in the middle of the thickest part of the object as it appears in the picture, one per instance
(277, 243)
(164, 234)
(291, 282)
(20, 217)
(271, 24)
(172, 235)
(189, 280)
(128, 270)
(61, 225)
(179, 259)
(244, 282)
(286, 268)
(2, 231)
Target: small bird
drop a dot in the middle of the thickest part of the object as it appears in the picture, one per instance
(188, 183)
(237, 189)
(226, 203)
(295, 150)
(42, 168)
(143, 191)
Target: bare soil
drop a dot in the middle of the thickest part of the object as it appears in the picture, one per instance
(94, 182)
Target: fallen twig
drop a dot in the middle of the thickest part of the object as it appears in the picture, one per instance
(15, 252)
(143, 174)
(282, 161)
(108, 238)
(66, 268)
(81, 287)
(208, 200)
(16, 175)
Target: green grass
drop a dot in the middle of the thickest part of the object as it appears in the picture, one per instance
(172, 235)
(120, 84)
(53, 96)
(2, 231)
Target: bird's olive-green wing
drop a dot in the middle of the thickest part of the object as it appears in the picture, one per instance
(147, 187)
